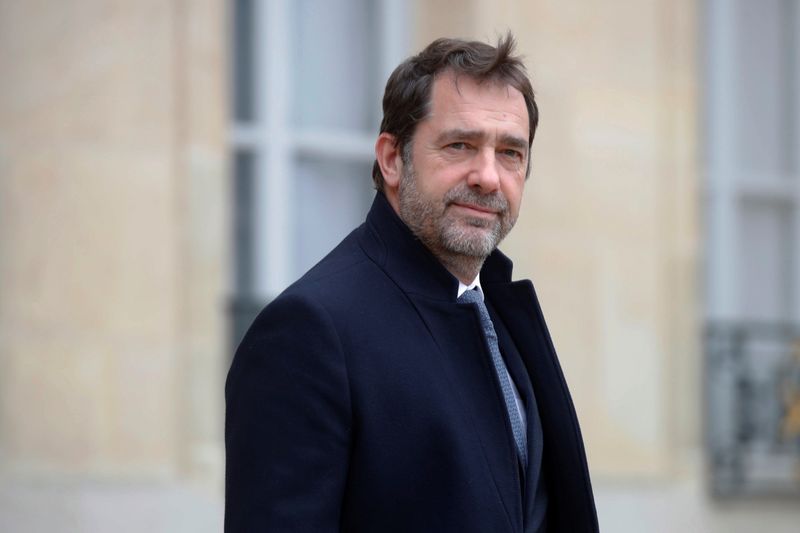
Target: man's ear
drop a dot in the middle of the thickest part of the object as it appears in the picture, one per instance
(387, 154)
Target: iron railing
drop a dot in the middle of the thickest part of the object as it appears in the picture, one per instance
(752, 383)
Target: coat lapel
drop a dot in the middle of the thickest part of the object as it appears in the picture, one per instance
(456, 330)
(519, 374)
(569, 490)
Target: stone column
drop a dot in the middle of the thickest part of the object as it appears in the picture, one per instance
(113, 253)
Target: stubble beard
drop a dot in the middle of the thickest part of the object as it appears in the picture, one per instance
(460, 242)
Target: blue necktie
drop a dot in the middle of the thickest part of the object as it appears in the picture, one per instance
(476, 297)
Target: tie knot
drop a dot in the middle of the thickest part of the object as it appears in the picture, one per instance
(471, 296)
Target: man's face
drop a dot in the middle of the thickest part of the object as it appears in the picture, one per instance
(461, 187)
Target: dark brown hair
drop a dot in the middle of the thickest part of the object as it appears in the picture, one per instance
(406, 100)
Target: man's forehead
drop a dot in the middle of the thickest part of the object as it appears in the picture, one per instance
(454, 94)
(467, 86)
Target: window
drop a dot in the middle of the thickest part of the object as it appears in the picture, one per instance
(753, 252)
(308, 77)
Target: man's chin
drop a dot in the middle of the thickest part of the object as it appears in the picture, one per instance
(470, 241)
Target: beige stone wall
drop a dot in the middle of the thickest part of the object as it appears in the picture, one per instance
(113, 225)
(609, 229)
(112, 251)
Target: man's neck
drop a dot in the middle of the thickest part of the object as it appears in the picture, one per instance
(464, 268)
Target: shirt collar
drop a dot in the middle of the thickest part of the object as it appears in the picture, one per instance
(464, 288)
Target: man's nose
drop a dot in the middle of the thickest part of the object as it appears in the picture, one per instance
(484, 173)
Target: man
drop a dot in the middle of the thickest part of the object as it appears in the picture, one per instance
(382, 392)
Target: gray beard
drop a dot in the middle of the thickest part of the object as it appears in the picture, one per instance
(456, 241)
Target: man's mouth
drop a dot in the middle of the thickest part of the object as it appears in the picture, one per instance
(475, 209)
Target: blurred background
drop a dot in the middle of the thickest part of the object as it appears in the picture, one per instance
(168, 166)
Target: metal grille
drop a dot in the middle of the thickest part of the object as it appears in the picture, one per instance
(753, 408)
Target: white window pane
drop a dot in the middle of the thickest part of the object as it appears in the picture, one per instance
(332, 197)
(766, 251)
(334, 68)
(764, 85)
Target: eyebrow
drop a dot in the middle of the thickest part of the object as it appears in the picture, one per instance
(511, 141)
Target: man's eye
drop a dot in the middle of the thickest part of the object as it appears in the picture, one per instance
(457, 146)
(514, 154)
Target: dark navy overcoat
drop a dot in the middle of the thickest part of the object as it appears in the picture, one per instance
(362, 400)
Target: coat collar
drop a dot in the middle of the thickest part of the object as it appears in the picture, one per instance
(392, 245)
